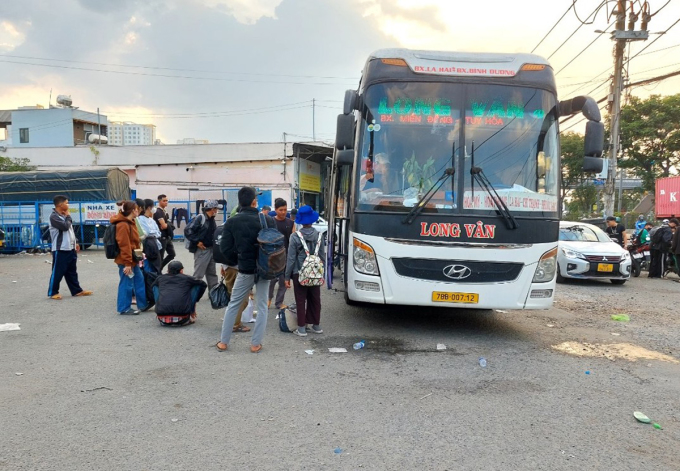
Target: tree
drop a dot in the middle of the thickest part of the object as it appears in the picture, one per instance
(650, 137)
(578, 191)
(8, 164)
(571, 144)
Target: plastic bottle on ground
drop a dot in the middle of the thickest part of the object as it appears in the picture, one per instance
(482, 362)
(359, 345)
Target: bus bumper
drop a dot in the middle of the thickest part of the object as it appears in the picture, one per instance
(393, 288)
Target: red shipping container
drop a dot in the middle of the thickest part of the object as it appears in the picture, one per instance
(667, 198)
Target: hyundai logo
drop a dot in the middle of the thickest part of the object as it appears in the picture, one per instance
(457, 272)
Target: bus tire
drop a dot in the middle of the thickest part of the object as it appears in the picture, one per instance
(350, 302)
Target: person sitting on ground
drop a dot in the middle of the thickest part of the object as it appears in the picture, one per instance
(176, 295)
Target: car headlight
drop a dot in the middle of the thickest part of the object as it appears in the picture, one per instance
(573, 254)
(364, 258)
(547, 266)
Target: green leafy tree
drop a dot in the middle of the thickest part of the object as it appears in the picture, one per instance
(571, 144)
(8, 164)
(650, 137)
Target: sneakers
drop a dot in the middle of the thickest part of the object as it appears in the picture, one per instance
(300, 334)
(310, 328)
(130, 312)
(84, 293)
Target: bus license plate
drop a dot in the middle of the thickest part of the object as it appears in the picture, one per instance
(463, 298)
(605, 267)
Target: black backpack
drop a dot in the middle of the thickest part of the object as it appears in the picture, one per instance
(271, 257)
(218, 256)
(192, 231)
(111, 247)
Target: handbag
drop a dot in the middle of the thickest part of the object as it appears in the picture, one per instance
(219, 296)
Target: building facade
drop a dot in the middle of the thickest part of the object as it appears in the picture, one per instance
(36, 126)
(131, 134)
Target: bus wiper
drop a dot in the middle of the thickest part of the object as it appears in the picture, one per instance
(478, 174)
(420, 205)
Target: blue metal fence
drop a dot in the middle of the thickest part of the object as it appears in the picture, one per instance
(26, 224)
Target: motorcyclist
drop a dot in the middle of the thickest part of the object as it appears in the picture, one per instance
(640, 224)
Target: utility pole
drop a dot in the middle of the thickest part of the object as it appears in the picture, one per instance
(621, 36)
(314, 119)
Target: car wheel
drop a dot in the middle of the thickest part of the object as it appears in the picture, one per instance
(618, 282)
(560, 278)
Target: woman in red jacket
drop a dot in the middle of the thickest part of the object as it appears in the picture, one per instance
(131, 276)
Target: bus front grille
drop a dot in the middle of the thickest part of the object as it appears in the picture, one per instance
(457, 271)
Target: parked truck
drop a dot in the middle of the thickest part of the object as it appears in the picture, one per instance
(667, 197)
(26, 204)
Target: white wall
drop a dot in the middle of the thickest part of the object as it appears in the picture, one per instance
(155, 155)
(51, 127)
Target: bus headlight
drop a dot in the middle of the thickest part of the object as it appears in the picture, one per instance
(364, 258)
(547, 265)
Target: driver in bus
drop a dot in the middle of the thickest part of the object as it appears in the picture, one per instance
(379, 173)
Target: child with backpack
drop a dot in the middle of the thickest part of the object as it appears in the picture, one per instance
(305, 267)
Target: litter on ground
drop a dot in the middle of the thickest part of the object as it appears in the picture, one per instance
(337, 350)
(8, 327)
(441, 346)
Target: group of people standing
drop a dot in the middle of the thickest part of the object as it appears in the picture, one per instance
(144, 248)
(663, 242)
(239, 245)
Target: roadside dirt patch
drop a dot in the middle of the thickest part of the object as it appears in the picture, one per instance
(623, 351)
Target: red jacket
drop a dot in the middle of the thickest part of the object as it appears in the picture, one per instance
(127, 238)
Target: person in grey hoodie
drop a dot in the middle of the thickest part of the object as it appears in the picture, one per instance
(64, 251)
(307, 298)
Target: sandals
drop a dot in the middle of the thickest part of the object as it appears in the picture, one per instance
(56, 296)
(222, 347)
(255, 348)
(241, 328)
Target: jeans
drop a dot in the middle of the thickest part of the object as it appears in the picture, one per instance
(281, 293)
(230, 275)
(127, 285)
(168, 249)
(242, 286)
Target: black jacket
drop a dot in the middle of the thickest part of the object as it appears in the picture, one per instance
(675, 243)
(239, 239)
(661, 239)
(174, 294)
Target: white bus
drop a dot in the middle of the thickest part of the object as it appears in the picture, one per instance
(445, 183)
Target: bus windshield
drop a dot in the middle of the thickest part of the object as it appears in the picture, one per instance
(411, 132)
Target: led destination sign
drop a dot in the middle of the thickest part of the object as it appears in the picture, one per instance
(439, 111)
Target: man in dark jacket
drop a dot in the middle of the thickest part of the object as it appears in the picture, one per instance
(176, 295)
(239, 245)
(675, 244)
(661, 242)
(202, 247)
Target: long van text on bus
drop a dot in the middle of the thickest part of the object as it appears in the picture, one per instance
(444, 229)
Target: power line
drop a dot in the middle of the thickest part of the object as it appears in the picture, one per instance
(154, 115)
(578, 28)
(585, 48)
(554, 26)
(173, 69)
(190, 77)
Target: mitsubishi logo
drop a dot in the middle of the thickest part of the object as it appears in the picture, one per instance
(457, 272)
(604, 259)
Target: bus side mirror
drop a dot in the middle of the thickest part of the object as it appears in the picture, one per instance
(594, 139)
(344, 134)
(593, 147)
(351, 102)
(344, 158)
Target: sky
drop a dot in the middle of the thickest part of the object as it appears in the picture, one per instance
(248, 70)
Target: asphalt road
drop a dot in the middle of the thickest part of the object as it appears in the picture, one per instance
(103, 391)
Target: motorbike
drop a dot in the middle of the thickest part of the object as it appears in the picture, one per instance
(640, 258)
